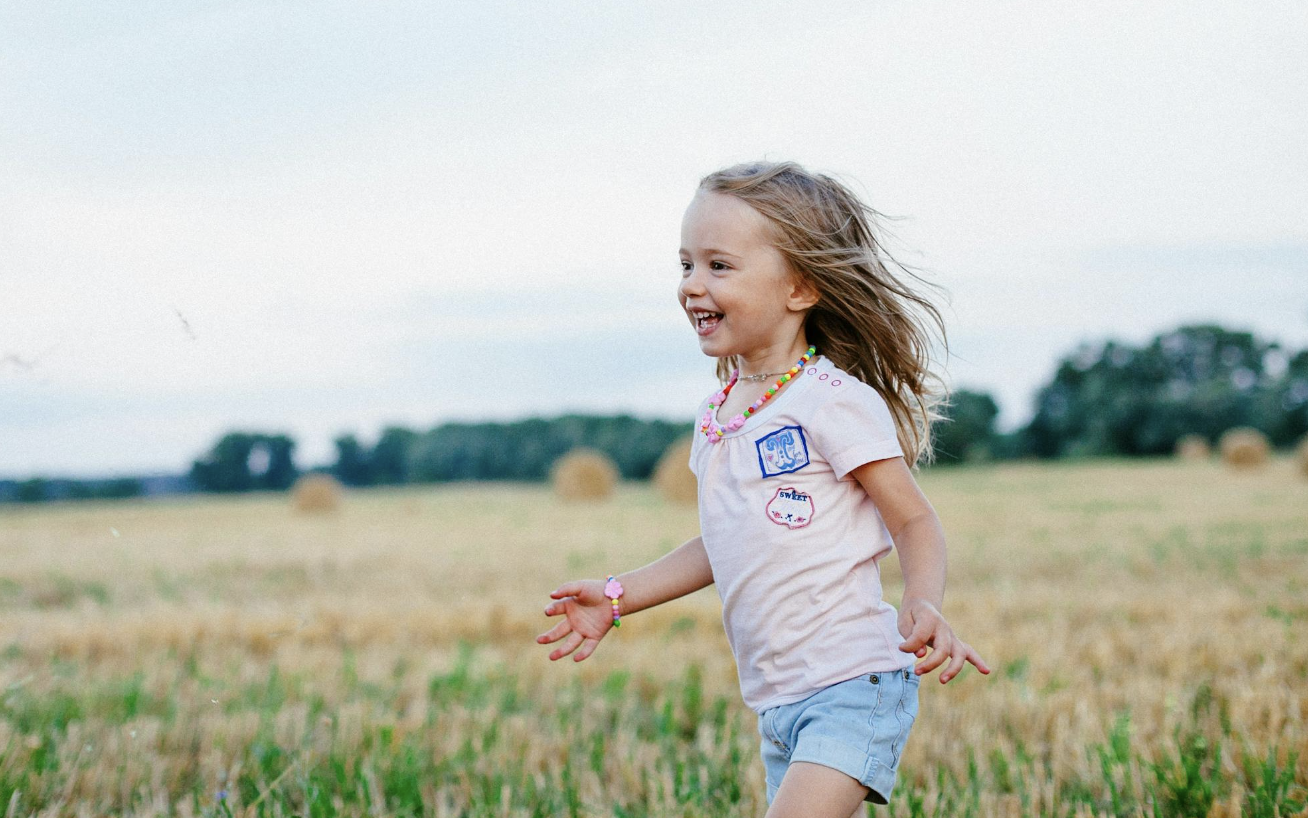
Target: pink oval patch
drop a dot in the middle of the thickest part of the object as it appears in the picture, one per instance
(822, 377)
(835, 382)
(790, 507)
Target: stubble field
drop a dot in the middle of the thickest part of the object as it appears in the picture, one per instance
(1146, 622)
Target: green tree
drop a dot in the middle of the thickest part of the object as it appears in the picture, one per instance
(246, 461)
(1283, 409)
(353, 466)
(968, 432)
(34, 490)
(389, 461)
(1197, 379)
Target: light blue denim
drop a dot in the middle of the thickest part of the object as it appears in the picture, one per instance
(858, 726)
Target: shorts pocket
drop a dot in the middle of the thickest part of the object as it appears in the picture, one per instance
(770, 730)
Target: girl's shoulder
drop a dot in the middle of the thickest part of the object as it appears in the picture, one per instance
(830, 382)
(841, 404)
(850, 421)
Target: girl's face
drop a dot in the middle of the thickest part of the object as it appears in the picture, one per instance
(730, 268)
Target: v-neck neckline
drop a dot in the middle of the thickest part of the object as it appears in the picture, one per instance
(818, 363)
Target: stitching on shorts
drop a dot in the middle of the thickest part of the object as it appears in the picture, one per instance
(872, 723)
(897, 746)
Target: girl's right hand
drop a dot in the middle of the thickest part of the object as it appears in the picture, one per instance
(588, 616)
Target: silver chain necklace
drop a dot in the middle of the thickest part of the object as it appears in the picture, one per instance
(760, 377)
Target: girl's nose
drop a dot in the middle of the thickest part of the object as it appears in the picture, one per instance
(690, 284)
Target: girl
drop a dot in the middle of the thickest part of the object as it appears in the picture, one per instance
(804, 486)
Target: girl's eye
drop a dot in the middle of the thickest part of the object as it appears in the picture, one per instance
(685, 268)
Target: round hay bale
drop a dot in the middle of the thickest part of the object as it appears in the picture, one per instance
(1301, 455)
(584, 474)
(317, 493)
(1244, 448)
(1193, 447)
(673, 478)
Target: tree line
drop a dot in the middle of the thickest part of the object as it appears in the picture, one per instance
(1106, 399)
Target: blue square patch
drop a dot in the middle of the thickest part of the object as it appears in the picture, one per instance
(783, 451)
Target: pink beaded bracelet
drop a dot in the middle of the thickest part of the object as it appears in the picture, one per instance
(613, 590)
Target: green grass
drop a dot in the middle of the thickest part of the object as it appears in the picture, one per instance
(403, 767)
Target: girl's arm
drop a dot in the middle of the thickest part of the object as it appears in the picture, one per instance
(920, 541)
(589, 614)
(675, 574)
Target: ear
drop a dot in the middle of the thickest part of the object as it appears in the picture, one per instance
(803, 295)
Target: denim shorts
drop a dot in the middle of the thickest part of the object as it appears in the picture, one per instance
(858, 726)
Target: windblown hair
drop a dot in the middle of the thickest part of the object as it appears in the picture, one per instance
(866, 319)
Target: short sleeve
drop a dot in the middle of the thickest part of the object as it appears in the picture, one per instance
(854, 426)
(696, 440)
(694, 450)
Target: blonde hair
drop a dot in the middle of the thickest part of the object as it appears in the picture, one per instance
(866, 320)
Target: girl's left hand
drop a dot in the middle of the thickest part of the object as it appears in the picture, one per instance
(927, 626)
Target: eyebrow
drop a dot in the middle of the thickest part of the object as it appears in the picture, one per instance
(711, 250)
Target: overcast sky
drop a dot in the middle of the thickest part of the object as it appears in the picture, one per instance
(323, 217)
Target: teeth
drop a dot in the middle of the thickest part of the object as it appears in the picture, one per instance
(703, 319)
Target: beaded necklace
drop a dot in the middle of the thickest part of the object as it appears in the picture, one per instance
(709, 425)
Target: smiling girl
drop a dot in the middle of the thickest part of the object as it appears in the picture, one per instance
(805, 464)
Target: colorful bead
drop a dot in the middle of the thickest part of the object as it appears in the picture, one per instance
(709, 424)
(613, 590)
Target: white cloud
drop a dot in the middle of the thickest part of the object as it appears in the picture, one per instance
(331, 197)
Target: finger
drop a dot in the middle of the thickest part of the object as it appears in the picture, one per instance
(556, 633)
(917, 640)
(956, 663)
(587, 648)
(975, 658)
(567, 647)
(941, 652)
(567, 589)
(556, 608)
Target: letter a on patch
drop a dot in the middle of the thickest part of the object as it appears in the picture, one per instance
(783, 451)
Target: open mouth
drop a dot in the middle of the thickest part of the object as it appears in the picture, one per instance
(707, 322)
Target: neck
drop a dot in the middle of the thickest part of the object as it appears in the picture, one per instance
(776, 359)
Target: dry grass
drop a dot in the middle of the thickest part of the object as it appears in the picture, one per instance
(1301, 455)
(1193, 447)
(159, 648)
(317, 494)
(673, 478)
(1244, 448)
(583, 475)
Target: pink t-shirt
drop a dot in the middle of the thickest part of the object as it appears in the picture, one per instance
(795, 540)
